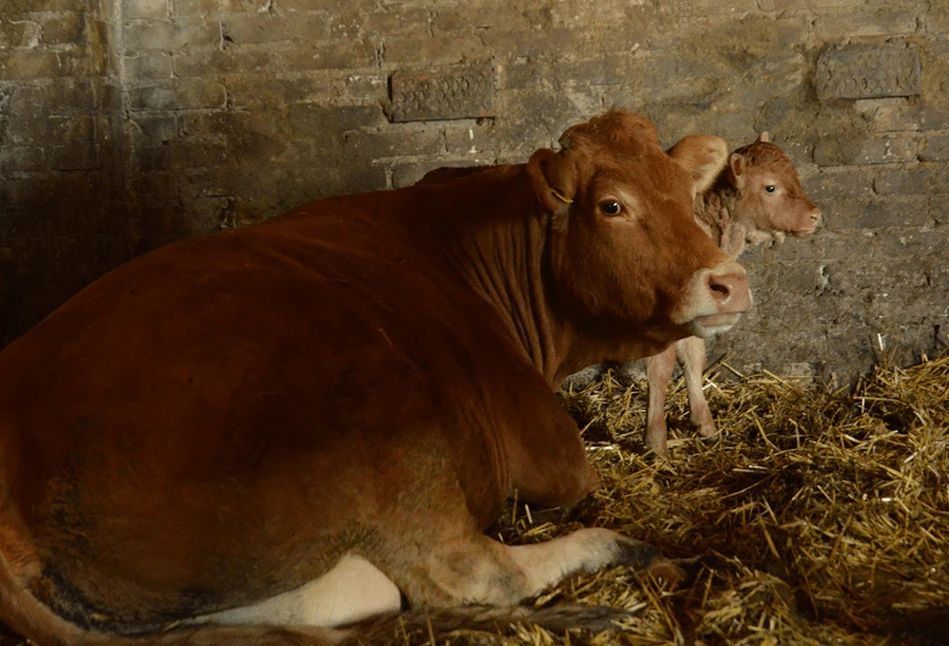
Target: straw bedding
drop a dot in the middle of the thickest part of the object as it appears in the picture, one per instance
(819, 517)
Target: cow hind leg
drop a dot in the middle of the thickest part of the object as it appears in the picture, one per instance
(483, 571)
(352, 591)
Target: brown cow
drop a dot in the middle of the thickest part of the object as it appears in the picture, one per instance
(300, 422)
(758, 197)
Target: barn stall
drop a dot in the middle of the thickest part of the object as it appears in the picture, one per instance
(127, 124)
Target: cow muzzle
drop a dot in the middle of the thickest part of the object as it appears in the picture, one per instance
(713, 300)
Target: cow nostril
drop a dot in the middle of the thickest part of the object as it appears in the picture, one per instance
(720, 289)
(815, 216)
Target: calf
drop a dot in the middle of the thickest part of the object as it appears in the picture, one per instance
(757, 197)
(302, 422)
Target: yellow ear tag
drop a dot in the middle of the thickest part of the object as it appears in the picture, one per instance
(561, 197)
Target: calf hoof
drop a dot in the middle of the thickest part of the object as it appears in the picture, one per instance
(713, 439)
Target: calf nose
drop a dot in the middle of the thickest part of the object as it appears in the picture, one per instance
(815, 216)
(728, 285)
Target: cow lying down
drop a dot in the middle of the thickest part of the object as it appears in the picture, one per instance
(302, 422)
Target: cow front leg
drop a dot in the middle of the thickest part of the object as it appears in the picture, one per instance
(658, 373)
(691, 353)
(480, 570)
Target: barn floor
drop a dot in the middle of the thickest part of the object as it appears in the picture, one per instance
(820, 517)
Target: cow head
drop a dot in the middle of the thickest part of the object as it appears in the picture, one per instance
(770, 196)
(626, 255)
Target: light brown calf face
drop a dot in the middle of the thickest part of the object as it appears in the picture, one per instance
(770, 194)
(627, 252)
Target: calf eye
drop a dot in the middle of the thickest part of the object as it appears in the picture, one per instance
(770, 188)
(611, 207)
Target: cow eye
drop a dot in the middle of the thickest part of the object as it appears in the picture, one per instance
(770, 188)
(611, 207)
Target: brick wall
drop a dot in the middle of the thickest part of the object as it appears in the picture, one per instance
(58, 227)
(225, 112)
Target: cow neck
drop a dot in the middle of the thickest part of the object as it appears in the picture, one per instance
(501, 248)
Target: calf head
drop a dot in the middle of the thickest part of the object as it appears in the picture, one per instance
(626, 256)
(770, 196)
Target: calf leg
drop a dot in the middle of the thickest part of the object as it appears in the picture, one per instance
(691, 352)
(658, 373)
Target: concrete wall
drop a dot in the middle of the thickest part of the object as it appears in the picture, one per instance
(127, 125)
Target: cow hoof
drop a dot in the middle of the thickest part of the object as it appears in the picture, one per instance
(668, 572)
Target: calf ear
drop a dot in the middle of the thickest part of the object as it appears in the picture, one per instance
(554, 178)
(703, 156)
(737, 164)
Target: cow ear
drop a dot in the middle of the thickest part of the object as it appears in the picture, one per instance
(736, 169)
(703, 156)
(764, 137)
(554, 178)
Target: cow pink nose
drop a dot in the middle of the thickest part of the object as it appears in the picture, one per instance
(728, 284)
(815, 216)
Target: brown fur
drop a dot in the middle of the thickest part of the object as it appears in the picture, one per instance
(219, 421)
(736, 212)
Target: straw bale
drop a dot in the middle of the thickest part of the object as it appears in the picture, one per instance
(818, 517)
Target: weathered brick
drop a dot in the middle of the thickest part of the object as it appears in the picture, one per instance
(153, 130)
(162, 185)
(22, 65)
(473, 138)
(20, 7)
(179, 95)
(839, 184)
(867, 71)
(939, 208)
(75, 156)
(19, 33)
(326, 5)
(22, 159)
(906, 181)
(145, 9)
(476, 16)
(874, 149)
(412, 21)
(786, 5)
(334, 120)
(434, 49)
(265, 28)
(937, 148)
(233, 60)
(42, 131)
(151, 66)
(167, 35)
(536, 42)
(349, 54)
(403, 140)
(446, 94)
(63, 29)
(848, 24)
(912, 211)
(219, 7)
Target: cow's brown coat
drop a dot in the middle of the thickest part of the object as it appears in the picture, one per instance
(221, 420)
